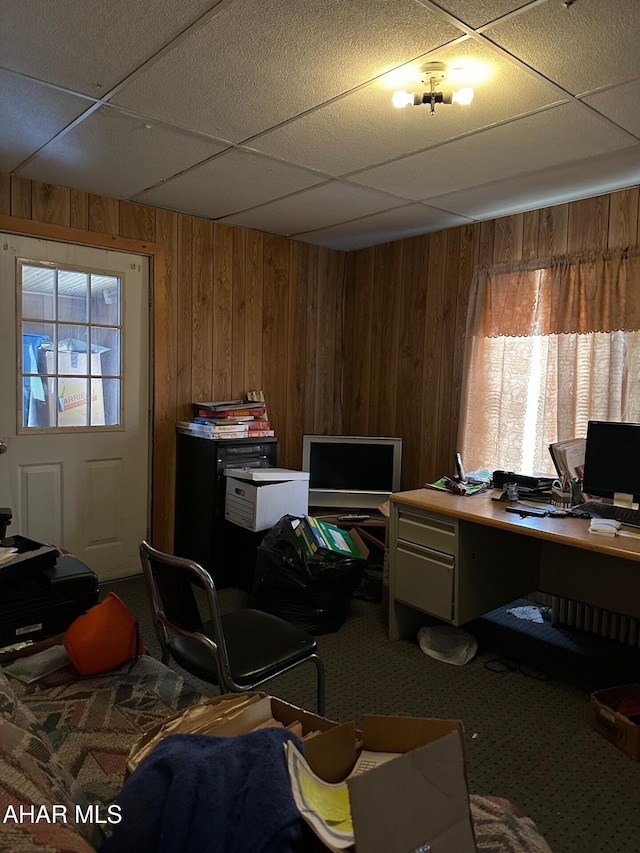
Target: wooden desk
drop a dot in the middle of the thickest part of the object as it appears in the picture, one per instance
(458, 557)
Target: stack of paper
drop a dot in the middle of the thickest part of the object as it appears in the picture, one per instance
(326, 806)
(568, 458)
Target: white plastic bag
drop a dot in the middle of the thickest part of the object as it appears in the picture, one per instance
(448, 643)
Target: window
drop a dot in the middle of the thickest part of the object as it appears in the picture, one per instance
(70, 326)
(550, 346)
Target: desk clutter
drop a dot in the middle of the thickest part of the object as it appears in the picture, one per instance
(243, 418)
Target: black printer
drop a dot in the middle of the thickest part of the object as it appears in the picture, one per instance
(42, 595)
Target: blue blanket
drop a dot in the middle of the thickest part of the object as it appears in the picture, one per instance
(203, 794)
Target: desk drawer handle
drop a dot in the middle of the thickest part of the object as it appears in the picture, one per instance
(445, 560)
(439, 525)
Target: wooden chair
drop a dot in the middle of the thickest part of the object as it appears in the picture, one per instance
(239, 650)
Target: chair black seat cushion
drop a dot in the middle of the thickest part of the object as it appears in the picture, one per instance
(259, 646)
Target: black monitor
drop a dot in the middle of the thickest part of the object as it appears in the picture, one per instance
(612, 461)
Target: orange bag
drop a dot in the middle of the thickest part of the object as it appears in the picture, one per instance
(105, 636)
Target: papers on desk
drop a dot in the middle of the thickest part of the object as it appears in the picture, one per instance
(568, 458)
(456, 487)
(610, 527)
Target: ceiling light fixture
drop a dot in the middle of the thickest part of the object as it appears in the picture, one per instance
(433, 74)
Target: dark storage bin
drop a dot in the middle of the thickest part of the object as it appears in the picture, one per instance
(313, 595)
(43, 603)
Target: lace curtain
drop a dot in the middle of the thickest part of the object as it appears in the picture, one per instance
(549, 346)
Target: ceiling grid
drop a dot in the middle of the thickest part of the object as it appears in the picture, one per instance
(276, 115)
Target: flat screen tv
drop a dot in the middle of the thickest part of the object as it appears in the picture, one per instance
(351, 471)
(612, 461)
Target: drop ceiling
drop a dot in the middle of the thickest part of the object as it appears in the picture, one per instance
(276, 115)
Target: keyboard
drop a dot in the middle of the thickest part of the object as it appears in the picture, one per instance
(595, 509)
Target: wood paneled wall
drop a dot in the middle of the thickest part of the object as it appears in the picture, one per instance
(405, 315)
(368, 343)
(234, 311)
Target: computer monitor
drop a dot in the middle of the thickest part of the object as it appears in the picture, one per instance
(612, 461)
(351, 471)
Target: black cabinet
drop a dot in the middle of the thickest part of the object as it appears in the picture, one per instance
(201, 533)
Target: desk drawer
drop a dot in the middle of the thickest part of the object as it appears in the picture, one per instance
(438, 532)
(425, 579)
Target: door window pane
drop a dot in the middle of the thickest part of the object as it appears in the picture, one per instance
(105, 301)
(111, 390)
(38, 292)
(106, 341)
(73, 296)
(71, 348)
(72, 339)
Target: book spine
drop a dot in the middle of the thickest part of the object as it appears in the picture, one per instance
(316, 533)
(308, 549)
(212, 427)
(236, 413)
(217, 404)
(261, 433)
(243, 419)
(259, 423)
(235, 431)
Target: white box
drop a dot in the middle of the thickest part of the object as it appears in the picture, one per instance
(257, 498)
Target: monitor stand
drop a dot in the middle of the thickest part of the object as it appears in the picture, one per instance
(623, 499)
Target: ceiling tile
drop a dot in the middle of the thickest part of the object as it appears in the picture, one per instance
(548, 138)
(364, 128)
(89, 47)
(383, 227)
(479, 12)
(114, 154)
(26, 130)
(616, 104)
(231, 182)
(315, 208)
(277, 114)
(582, 179)
(247, 72)
(582, 47)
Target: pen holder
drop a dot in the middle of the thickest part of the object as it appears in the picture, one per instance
(561, 497)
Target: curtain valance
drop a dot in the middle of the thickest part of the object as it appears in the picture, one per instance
(596, 292)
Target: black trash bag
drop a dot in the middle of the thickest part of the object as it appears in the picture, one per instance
(315, 595)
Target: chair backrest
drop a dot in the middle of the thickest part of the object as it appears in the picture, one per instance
(170, 583)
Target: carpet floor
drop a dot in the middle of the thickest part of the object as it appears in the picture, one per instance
(523, 702)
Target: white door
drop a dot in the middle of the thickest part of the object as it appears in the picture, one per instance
(74, 399)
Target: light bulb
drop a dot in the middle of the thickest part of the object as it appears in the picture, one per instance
(462, 96)
(402, 99)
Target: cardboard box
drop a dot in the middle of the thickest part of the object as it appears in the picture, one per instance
(70, 396)
(257, 498)
(615, 726)
(282, 711)
(417, 801)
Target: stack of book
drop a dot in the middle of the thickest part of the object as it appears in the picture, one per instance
(319, 539)
(228, 419)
